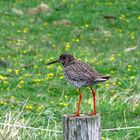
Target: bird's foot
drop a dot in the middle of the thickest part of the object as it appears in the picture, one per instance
(92, 113)
(75, 115)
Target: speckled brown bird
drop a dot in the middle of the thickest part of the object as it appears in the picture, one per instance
(80, 75)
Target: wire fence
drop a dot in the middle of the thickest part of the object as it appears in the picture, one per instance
(57, 131)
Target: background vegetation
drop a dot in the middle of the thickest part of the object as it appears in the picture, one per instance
(103, 33)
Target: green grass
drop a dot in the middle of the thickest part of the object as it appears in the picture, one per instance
(28, 42)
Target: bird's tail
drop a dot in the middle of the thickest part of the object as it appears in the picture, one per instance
(102, 78)
(106, 77)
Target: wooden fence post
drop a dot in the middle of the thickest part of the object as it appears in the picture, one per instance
(81, 128)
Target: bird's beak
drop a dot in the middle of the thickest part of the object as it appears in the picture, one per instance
(53, 62)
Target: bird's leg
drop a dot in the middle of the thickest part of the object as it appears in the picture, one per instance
(94, 101)
(79, 104)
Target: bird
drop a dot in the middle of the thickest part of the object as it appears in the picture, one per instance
(80, 75)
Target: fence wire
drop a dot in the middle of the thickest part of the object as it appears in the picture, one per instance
(57, 131)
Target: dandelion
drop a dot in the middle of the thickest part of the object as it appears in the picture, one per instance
(113, 83)
(37, 81)
(10, 70)
(112, 58)
(112, 91)
(107, 85)
(50, 75)
(16, 72)
(3, 103)
(29, 107)
(67, 46)
(3, 78)
(132, 77)
(40, 107)
(112, 72)
(132, 35)
(6, 82)
(65, 104)
(25, 30)
(60, 103)
(75, 40)
(26, 75)
(21, 82)
(119, 83)
(66, 96)
(138, 17)
(118, 30)
(59, 68)
(35, 66)
(129, 67)
(119, 54)
(61, 77)
(12, 106)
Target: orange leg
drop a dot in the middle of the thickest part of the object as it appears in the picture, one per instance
(94, 101)
(79, 104)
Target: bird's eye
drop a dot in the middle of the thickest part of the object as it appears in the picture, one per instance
(64, 57)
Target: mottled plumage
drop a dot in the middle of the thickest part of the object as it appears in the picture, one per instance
(80, 74)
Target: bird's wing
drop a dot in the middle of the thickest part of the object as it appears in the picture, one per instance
(80, 71)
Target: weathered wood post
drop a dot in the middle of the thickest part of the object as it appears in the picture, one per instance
(81, 128)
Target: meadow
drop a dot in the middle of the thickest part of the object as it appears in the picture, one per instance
(102, 33)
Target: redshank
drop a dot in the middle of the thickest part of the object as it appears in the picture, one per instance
(80, 75)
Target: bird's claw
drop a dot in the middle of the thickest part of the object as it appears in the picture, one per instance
(92, 113)
(75, 115)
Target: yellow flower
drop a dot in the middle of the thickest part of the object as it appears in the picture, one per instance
(132, 77)
(50, 75)
(107, 85)
(3, 103)
(9, 70)
(26, 75)
(3, 78)
(25, 30)
(129, 66)
(113, 83)
(21, 82)
(112, 58)
(6, 82)
(132, 35)
(112, 72)
(16, 72)
(67, 46)
(40, 107)
(119, 54)
(37, 81)
(66, 96)
(119, 30)
(61, 77)
(65, 104)
(119, 83)
(138, 17)
(29, 107)
(35, 66)
(112, 91)
(13, 106)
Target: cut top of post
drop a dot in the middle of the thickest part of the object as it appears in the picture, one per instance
(84, 127)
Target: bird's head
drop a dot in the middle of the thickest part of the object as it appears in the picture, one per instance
(64, 59)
